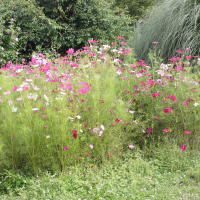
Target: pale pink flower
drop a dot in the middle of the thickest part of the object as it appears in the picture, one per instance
(95, 130)
(135, 122)
(100, 133)
(131, 146)
(10, 102)
(7, 93)
(102, 127)
(91, 146)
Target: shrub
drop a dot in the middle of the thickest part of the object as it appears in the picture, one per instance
(8, 41)
(59, 25)
(174, 25)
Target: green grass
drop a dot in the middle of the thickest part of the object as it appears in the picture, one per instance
(165, 173)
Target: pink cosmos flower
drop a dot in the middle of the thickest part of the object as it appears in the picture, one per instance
(149, 130)
(100, 133)
(167, 110)
(133, 66)
(131, 146)
(92, 41)
(173, 98)
(10, 102)
(183, 147)
(188, 57)
(127, 50)
(187, 132)
(75, 135)
(70, 51)
(110, 155)
(87, 154)
(178, 101)
(117, 120)
(185, 103)
(102, 127)
(66, 148)
(6, 93)
(179, 68)
(135, 121)
(156, 117)
(166, 130)
(44, 115)
(95, 130)
(24, 88)
(91, 55)
(85, 125)
(83, 91)
(74, 131)
(15, 88)
(124, 43)
(91, 146)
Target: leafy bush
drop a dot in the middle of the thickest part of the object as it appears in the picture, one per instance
(8, 41)
(136, 8)
(59, 25)
(174, 25)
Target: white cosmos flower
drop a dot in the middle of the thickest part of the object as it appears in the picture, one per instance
(48, 136)
(18, 70)
(35, 109)
(118, 72)
(45, 96)
(63, 93)
(58, 98)
(196, 104)
(14, 109)
(78, 116)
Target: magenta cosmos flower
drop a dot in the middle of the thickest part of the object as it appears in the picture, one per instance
(149, 130)
(66, 148)
(167, 110)
(187, 132)
(183, 147)
(166, 130)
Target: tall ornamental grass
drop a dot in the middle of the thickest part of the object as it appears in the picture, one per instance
(174, 24)
(92, 106)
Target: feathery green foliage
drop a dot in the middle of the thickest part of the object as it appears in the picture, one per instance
(174, 24)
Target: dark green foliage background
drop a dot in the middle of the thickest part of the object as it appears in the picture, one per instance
(63, 24)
